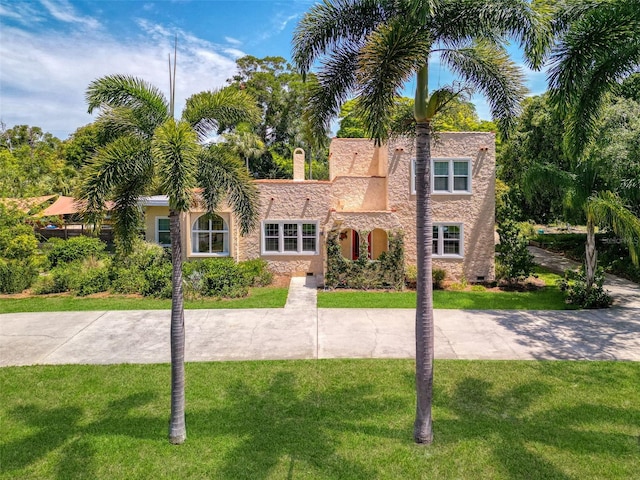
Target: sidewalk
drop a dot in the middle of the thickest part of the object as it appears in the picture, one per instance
(303, 331)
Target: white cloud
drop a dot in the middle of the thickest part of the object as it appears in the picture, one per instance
(62, 10)
(233, 41)
(43, 76)
(25, 13)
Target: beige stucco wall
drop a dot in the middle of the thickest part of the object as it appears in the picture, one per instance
(289, 200)
(359, 194)
(475, 211)
(151, 213)
(356, 157)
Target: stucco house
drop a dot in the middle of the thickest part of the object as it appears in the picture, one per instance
(371, 191)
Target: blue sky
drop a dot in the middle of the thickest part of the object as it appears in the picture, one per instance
(50, 50)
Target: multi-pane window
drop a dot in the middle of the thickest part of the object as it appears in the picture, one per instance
(163, 233)
(448, 175)
(447, 240)
(289, 237)
(210, 235)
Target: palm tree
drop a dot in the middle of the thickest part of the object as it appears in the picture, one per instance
(245, 144)
(146, 147)
(599, 46)
(373, 48)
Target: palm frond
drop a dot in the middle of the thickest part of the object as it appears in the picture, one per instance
(601, 46)
(608, 209)
(337, 24)
(214, 111)
(331, 89)
(393, 53)
(126, 91)
(124, 158)
(222, 175)
(175, 147)
(488, 68)
(541, 177)
(493, 20)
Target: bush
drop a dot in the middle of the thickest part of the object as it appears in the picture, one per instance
(16, 275)
(158, 280)
(575, 284)
(255, 272)
(216, 277)
(77, 248)
(82, 277)
(132, 273)
(437, 275)
(515, 262)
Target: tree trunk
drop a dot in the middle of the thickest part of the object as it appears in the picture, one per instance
(591, 258)
(177, 425)
(422, 430)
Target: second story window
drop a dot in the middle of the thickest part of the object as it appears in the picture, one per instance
(448, 176)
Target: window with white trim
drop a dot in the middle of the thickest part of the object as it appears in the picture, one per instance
(448, 175)
(289, 237)
(163, 231)
(210, 236)
(448, 240)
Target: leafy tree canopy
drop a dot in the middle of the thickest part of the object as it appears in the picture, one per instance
(282, 95)
(32, 163)
(459, 115)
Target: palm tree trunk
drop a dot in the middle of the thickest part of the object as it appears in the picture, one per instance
(591, 258)
(422, 430)
(177, 425)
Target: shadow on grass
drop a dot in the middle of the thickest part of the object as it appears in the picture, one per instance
(506, 420)
(263, 422)
(65, 428)
(281, 423)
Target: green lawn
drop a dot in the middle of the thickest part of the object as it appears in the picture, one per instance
(547, 298)
(332, 419)
(265, 297)
(550, 298)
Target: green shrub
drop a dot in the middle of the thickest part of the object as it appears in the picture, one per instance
(16, 275)
(216, 277)
(132, 272)
(255, 272)
(21, 246)
(437, 275)
(158, 280)
(82, 277)
(77, 248)
(575, 284)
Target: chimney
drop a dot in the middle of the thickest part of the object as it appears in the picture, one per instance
(298, 165)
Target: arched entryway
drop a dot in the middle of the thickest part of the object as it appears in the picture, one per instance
(377, 242)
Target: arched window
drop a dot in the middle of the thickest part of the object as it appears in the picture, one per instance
(210, 235)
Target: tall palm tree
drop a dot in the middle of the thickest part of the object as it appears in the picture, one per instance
(599, 46)
(148, 147)
(372, 49)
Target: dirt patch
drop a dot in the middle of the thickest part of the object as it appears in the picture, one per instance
(281, 281)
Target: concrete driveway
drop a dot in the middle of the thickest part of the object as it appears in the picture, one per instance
(299, 332)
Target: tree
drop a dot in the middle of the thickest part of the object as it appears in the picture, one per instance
(535, 145)
(148, 146)
(598, 47)
(32, 163)
(281, 95)
(372, 48)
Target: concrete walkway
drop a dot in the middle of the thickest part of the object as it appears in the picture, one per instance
(624, 292)
(301, 330)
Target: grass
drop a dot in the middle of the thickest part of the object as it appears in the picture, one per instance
(335, 419)
(547, 298)
(264, 297)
